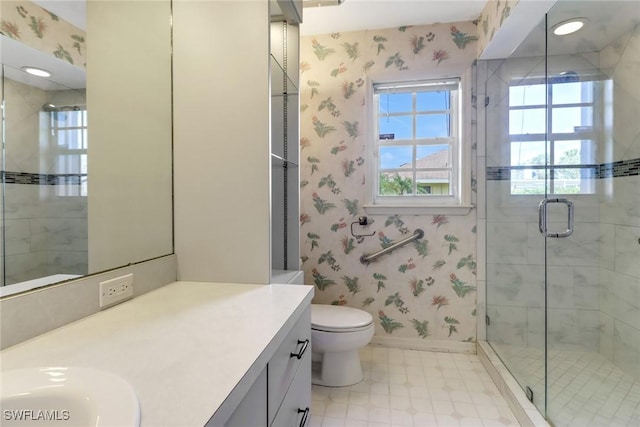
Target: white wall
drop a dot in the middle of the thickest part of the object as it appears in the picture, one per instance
(221, 140)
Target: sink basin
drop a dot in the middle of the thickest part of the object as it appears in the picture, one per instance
(70, 396)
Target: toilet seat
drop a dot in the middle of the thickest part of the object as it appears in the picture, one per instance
(335, 318)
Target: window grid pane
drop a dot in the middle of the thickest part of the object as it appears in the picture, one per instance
(415, 150)
(570, 119)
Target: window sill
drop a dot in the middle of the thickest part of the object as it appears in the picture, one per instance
(418, 209)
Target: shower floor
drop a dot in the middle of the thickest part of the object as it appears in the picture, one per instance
(585, 389)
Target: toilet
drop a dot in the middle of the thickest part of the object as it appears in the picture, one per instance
(337, 334)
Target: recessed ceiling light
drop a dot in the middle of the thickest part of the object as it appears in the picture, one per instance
(36, 71)
(568, 27)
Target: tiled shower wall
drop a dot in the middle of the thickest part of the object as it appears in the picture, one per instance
(594, 287)
(620, 209)
(45, 234)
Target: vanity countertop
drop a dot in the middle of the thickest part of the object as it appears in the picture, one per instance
(184, 347)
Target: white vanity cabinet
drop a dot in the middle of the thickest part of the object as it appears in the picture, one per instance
(289, 385)
(281, 395)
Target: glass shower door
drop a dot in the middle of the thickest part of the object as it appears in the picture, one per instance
(593, 275)
(542, 211)
(563, 214)
(569, 223)
(516, 183)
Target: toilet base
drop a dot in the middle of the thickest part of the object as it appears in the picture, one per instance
(339, 369)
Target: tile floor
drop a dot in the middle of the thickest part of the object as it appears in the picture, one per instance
(413, 388)
(585, 388)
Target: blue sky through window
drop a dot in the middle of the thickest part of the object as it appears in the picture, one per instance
(395, 103)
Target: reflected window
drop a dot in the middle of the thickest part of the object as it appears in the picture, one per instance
(416, 141)
(68, 139)
(565, 163)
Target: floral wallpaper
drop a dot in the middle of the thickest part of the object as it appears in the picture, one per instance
(36, 27)
(491, 19)
(427, 289)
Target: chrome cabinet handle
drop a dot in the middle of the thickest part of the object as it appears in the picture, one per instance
(305, 411)
(542, 218)
(299, 354)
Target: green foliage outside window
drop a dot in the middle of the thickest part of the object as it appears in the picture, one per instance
(395, 185)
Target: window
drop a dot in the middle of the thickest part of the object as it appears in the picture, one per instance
(68, 127)
(415, 149)
(569, 143)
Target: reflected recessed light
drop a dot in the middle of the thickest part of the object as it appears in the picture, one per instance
(320, 3)
(567, 27)
(36, 71)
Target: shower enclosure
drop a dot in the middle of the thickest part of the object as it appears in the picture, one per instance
(43, 193)
(562, 132)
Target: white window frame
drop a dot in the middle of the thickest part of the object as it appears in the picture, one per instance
(458, 203)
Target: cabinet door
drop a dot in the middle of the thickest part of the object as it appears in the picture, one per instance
(252, 410)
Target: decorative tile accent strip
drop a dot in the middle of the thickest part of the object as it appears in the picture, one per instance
(42, 179)
(620, 168)
(605, 170)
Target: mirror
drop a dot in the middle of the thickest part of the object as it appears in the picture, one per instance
(86, 163)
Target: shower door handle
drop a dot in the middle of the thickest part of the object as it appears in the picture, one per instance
(542, 218)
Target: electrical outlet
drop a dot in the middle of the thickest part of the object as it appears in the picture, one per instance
(116, 290)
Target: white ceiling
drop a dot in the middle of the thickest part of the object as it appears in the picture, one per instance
(16, 55)
(605, 22)
(354, 15)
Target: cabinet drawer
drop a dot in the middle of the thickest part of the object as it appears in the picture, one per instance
(294, 353)
(295, 410)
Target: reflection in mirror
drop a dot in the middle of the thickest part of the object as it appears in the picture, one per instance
(86, 159)
(44, 192)
(45, 182)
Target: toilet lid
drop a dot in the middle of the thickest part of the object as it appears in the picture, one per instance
(338, 318)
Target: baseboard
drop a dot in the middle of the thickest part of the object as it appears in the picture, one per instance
(428, 345)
